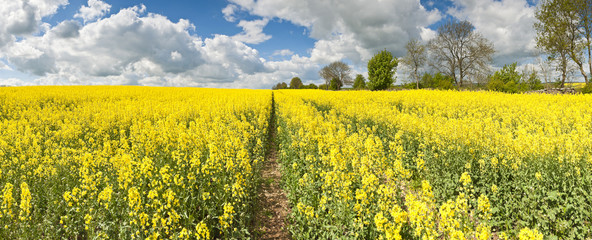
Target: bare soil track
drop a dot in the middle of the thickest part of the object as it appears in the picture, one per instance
(271, 210)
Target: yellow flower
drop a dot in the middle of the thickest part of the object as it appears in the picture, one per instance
(87, 219)
(528, 234)
(25, 202)
(202, 231)
(483, 232)
(380, 221)
(7, 200)
(494, 188)
(309, 212)
(465, 179)
(227, 218)
(457, 235)
(105, 196)
(484, 206)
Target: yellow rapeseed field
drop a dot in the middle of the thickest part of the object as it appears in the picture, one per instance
(437, 164)
(129, 162)
(578, 85)
(83, 162)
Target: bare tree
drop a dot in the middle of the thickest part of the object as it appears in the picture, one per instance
(338, 70)
(558, 35)
(415, 58)
(545, 66)
(584, 9)
(459, 51)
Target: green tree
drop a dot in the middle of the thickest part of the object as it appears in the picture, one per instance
(334, 84)
(296, 83)
(278, 86)
(381, 69)
(415, 58)
(558, 34)
(506, 79)
(359, 82)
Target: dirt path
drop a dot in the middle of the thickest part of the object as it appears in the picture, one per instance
(272, 208)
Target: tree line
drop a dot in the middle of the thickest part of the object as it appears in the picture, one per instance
(381, 71)
(459, 57)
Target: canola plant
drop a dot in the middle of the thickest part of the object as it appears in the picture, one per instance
(182, 163)
(436, 164)
(129, 162)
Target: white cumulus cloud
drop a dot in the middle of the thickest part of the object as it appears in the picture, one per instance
(283, 52)
(229, 11)
(22, 17)
(355, 27)
(134, 46)
(507, 23)
(12, 82)
(252, 31)
(95, 10)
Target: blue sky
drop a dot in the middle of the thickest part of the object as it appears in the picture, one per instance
(234, 43)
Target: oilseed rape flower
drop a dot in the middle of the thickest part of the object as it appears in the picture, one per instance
(202, 231)
(465, 179)
(104, 158)
(141, 162)
(494, 188)
(484, 206)
(485, 142)
(105, 196)
(227, 218)
(25, 205)
(7, 200)
(483, 232)
(529, 234)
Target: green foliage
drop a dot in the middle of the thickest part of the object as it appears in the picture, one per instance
(587, 89)
(381, 70)
(323, 86)
(508, 80)
(296, 83)
(561, 26)
(437, 81)
(310, 86)
(281, 85)
(335, 84)
(410, 85)
(359, 82)
(533, 82)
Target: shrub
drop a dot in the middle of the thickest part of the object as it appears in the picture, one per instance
(506, 79)
(437, 81)
(587, 89)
